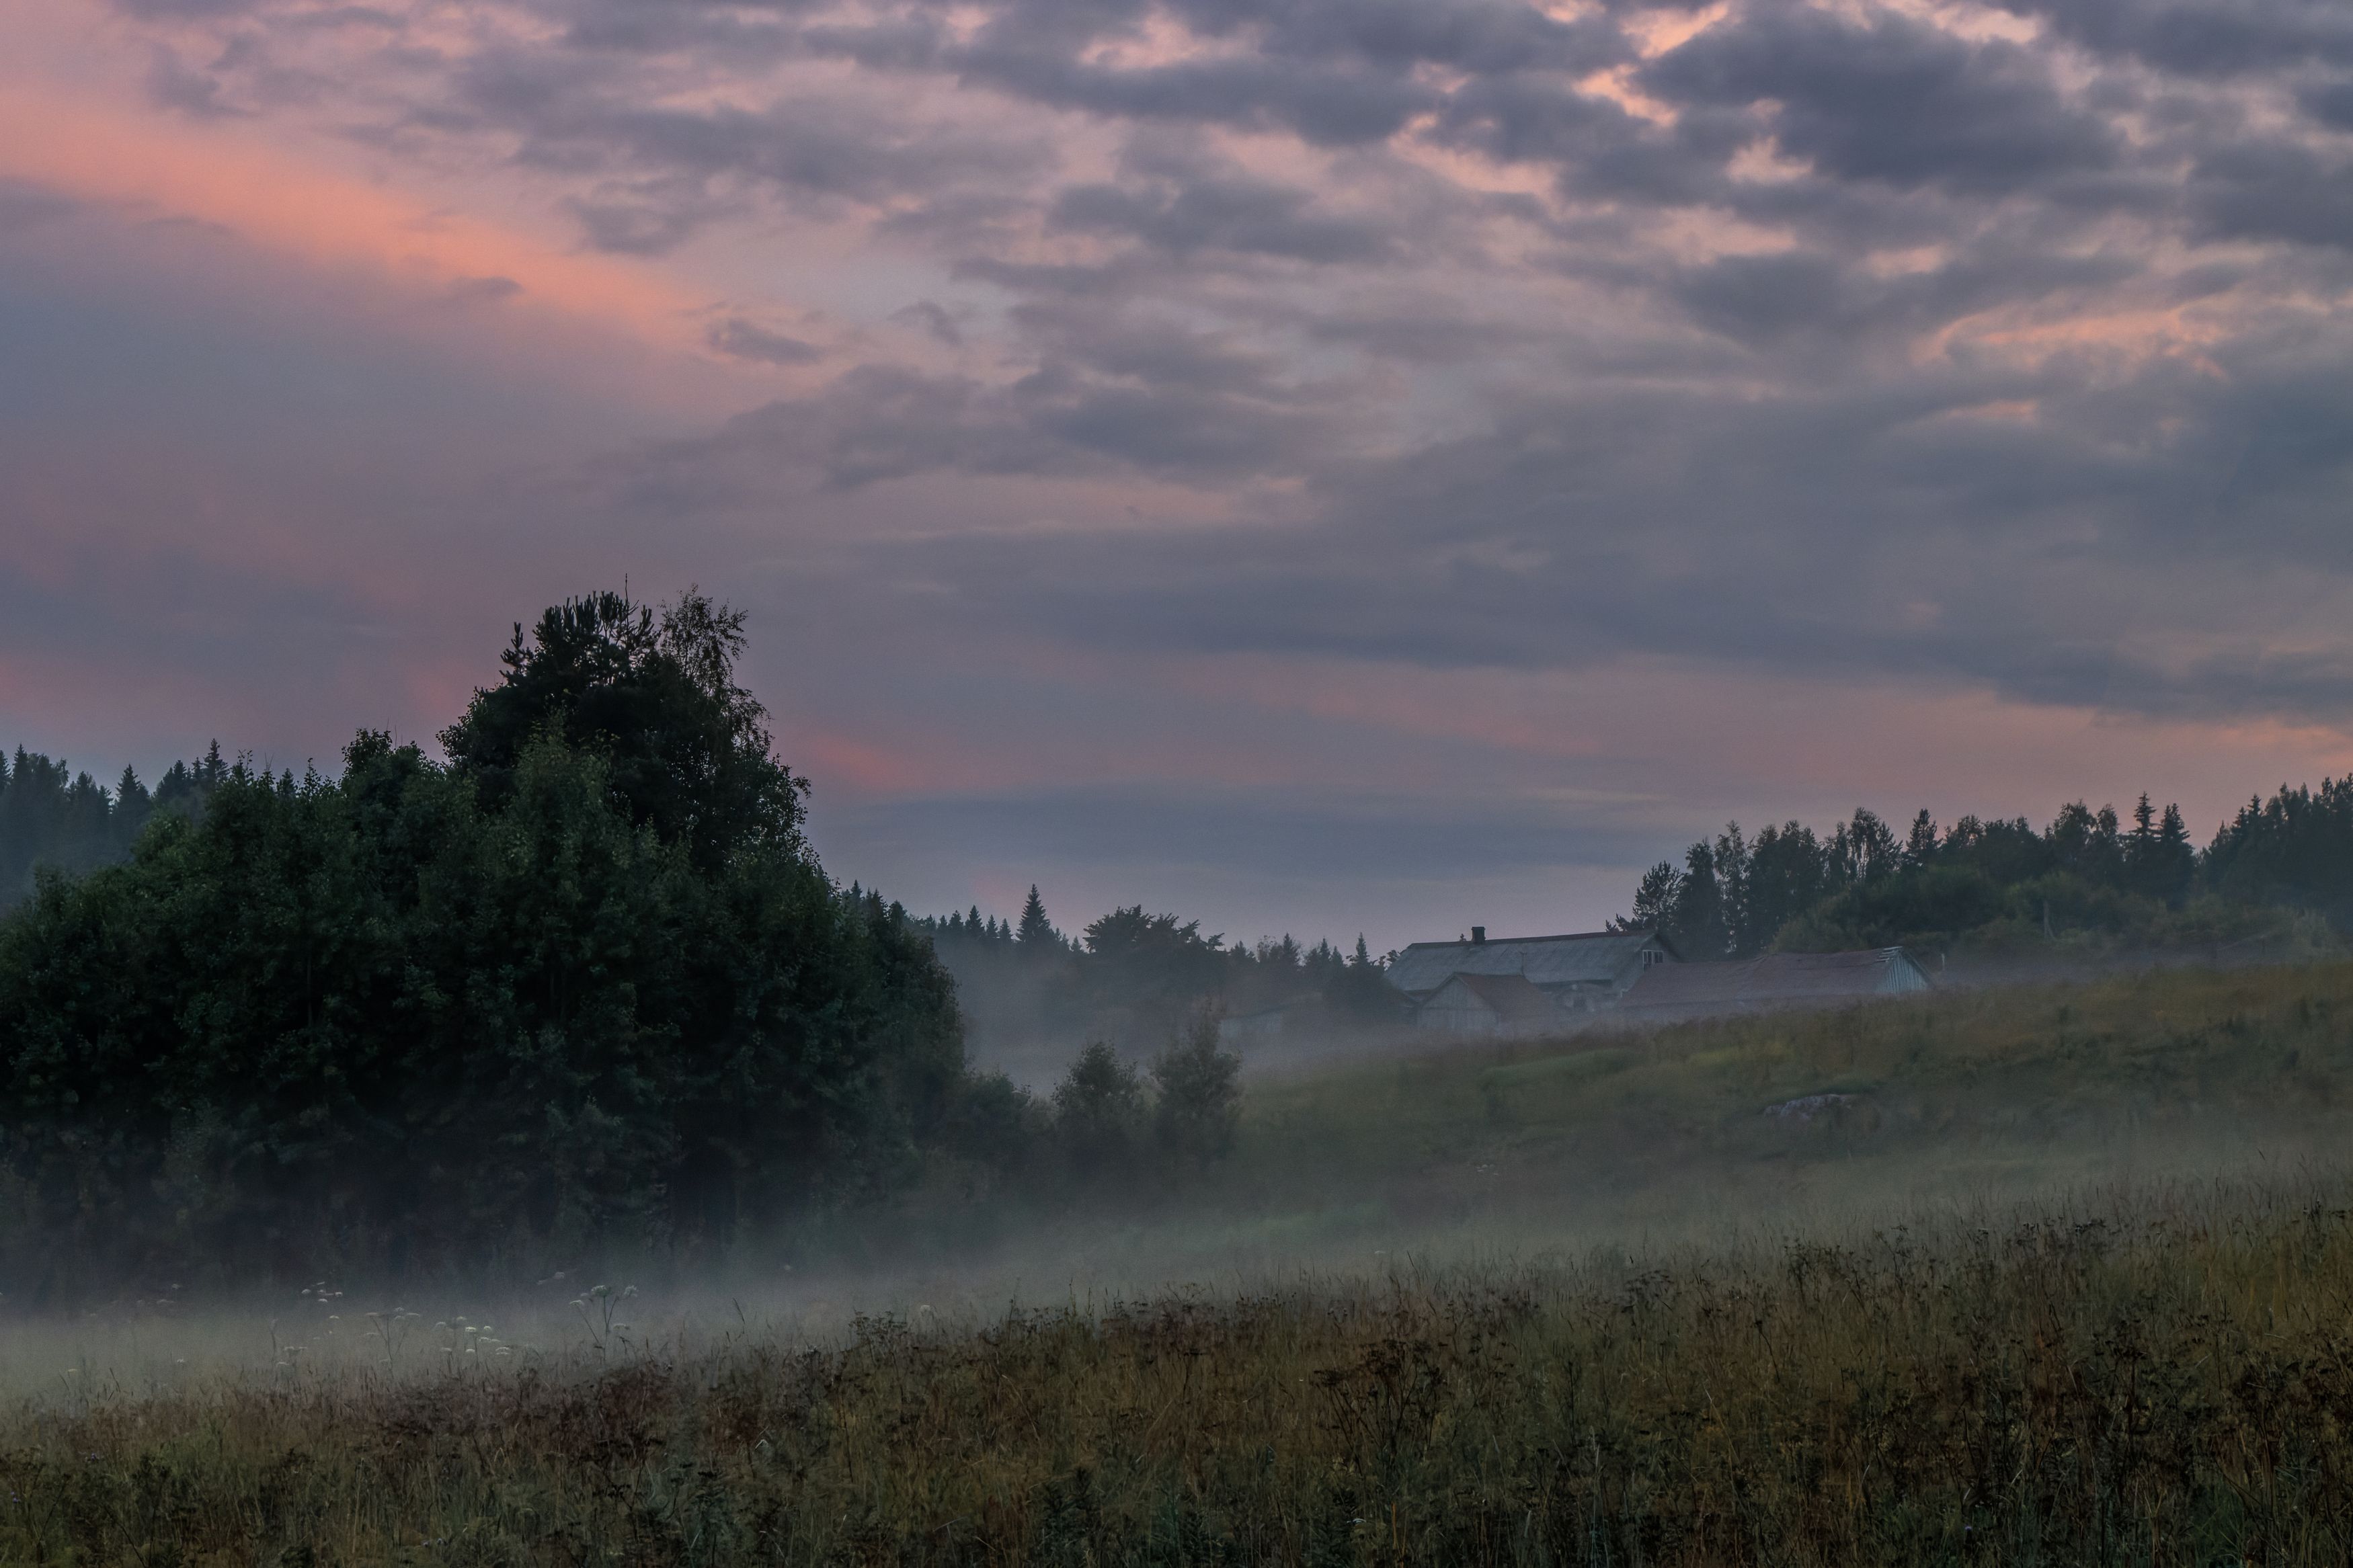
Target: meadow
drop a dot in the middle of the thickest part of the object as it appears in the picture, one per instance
(2055, 1275)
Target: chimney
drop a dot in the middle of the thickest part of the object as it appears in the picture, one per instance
(1478, 936)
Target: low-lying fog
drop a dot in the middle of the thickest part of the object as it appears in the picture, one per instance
(2169, 1094)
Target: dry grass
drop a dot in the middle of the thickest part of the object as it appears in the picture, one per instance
(2172, 1390)
(1713, 1344)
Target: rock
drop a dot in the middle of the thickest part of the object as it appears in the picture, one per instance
(1806, 1107)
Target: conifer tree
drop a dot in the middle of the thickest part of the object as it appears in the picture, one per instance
(2177, 862)
(1037, 932)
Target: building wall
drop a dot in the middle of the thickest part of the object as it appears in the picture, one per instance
(1453, 1009)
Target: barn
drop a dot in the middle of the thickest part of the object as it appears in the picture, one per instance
(1577, 973)
(1774, 982)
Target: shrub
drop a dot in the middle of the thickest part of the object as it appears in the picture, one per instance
(994, 1123)
(1200, 1104)
(1100, 1114)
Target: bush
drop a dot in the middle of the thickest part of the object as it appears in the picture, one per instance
(1199, 1105)
(995, 1124)
(1100, 1114)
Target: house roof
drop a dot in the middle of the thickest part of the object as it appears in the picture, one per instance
(1511, 998)
(1584, 957)
(1776, 978)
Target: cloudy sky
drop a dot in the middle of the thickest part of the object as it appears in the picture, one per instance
(1323, 466)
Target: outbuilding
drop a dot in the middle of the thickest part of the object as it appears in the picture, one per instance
(1494, 1004)
(1771, 983)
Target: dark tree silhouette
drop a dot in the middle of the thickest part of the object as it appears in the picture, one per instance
(654, 694)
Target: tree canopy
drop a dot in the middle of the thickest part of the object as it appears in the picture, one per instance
(1862, 885)
(583, 981)
(52, 815)
(654, 693)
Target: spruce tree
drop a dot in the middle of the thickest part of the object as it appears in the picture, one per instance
(1037, 932)
(2177, 862)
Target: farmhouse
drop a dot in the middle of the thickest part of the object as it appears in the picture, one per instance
(1774, 982)
(1574, 975)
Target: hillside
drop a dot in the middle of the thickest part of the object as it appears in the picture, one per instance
(1989, 1095)
(2038, 1276)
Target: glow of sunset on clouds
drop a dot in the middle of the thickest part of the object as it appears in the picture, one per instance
(276, 203)
(1342, 466)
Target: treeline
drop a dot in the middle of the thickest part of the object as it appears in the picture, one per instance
(1135, 977)
(582, 986)
(2090, 877)
(51, 816)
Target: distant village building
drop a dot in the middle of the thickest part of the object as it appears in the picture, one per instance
(1572, 976)
(1775, 982)
(1504, 1005)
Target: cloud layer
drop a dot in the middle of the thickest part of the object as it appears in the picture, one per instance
(1129, 369)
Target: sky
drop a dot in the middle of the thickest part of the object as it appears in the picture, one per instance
(1330, 467)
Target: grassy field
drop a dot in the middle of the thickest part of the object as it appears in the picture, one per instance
(1708, 1134)
(2050, 1277)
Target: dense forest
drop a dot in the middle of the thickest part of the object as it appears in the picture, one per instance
(582, 986)
(1032, 997)
(2093, 886)
(51, 816)
(2090, 881)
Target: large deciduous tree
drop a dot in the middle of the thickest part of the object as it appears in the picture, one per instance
(655, 694)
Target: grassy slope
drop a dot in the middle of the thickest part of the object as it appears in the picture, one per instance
(1971, 1098)
(2170, 1380)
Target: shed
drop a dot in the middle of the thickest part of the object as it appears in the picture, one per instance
(1502, 1004)
(1770, 982)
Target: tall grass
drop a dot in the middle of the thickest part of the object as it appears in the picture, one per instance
(1971, 1096)
(2174, 1387)
(1979, 1296)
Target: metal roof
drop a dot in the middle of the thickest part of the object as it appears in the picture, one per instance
(1777, 979)
(1582, 958)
